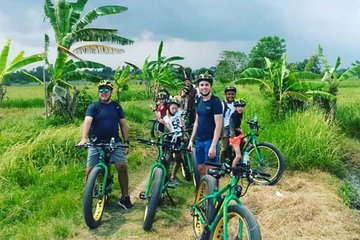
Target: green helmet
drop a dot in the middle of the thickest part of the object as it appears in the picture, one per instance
(174, 100)
(240, 103)
(106, 83)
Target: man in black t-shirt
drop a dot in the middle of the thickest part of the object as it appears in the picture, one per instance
(103, 120)
(207, 126)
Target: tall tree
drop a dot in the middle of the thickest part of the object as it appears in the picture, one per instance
(271, 47)
(17, 63)
(70, 27)
(231, 63)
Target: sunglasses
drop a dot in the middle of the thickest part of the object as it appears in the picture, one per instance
(104, 90)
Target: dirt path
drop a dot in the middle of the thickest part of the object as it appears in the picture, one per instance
(301, 206)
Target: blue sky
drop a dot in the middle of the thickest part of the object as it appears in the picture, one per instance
(201, 29)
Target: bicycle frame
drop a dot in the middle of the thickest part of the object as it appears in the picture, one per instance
(106, 166)
(231, 188)
(158, 164)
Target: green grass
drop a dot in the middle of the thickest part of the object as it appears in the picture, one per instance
(42, 173)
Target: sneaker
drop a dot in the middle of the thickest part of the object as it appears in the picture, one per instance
(125, 203)
(176, 180)
(172, 183)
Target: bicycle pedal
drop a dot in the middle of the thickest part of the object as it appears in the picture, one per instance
(142, 195)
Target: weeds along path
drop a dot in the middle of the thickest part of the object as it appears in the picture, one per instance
(301, 206)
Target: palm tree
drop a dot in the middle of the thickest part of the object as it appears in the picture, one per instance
(71, 27)
(17, 63)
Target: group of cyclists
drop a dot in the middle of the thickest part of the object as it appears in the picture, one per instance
(196, 108)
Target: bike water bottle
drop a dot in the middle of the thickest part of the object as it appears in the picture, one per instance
(255, 118)
(246, 159)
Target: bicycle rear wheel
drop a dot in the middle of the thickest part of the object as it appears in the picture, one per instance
(206, 186)
(153, 198)
(266, 158)
(241, 225)
(94, 201)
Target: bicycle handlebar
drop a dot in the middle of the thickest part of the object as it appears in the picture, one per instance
(224, 168)
(111, 145)
(164, 144)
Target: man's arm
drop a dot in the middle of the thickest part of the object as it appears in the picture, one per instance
(85, 130)
(218, 126)
(193, 134)
(124, 129)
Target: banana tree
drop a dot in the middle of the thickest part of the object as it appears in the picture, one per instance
(332, 80)
(160, 72)
(283, 86)
(17, 63)
(72, 27)
(122, 78)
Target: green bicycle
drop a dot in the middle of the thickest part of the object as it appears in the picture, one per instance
(157, 184)
(99, 183)
(213, 215)
(264, 156)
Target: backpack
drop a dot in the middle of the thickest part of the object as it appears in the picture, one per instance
(225, 108)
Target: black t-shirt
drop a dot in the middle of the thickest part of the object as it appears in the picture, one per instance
(106, 117)
(206, 122)
(235, 122)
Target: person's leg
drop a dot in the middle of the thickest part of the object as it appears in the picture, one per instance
(176, 165)
(123, 178)
(118, 157)
(237, 155)
(200, 157)
(92, 160)
(224, 153)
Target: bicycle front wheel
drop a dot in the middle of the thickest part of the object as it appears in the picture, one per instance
(196, 174)
(206, 186)
(185, 167)
(241, 225)
(94, 200)
(153, 198)
(266, 158)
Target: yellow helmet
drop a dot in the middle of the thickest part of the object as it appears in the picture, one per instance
(106, 83)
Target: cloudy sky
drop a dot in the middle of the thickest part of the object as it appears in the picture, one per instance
(201, 29)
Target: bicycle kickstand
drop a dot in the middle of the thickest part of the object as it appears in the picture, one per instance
(170, 198)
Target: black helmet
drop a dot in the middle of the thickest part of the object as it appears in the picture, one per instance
(240, 103)
(186, 90)
(106, 83)
(162, 95)
(230, 88)
(205, 77)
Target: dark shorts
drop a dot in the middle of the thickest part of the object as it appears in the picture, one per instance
(225, 131)
(202, 150)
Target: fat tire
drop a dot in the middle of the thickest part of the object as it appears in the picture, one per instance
(207, 186)
(251, 229)
(185, 168)
(279, 165)
(153, 201)
(196, 174)
(93, 185)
